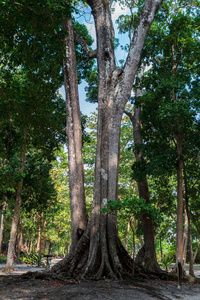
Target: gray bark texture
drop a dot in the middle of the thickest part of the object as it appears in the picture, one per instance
(1, 226)
(99, 252)
(19, 239)
(185, 237)
(74, 139)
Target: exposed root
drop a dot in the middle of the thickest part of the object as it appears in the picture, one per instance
(97, 265)
(102, 255)
(8, 270)
(144, 260)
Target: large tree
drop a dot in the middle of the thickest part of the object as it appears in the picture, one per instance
(99, 252)
(170, 101)
(28, 83)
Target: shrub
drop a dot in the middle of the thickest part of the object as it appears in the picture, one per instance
(32, 258)
(3, 259)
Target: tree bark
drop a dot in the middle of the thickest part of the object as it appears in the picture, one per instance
(133, 228)
(196, 251)
(11, 247)
(148, 258)
(19, 240)
(191, 268)
(127, 234)
(43, 238)
(1, 227)
(179, 146)
(179, 223)
(161, 252)
(99, 252)
(31, 245)
(74, 139)
(38, 242)
(185, 237)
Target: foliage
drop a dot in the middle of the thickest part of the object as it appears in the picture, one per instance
(166, 262)
(170, 106)
(133, 207)
(3, 259)
(31, 57)
(39, 191)
(33, 258)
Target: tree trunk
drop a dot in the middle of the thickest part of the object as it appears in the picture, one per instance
(191, 268)
(127, 234)
(196, 251)
(31, 245)
(179, 145)
(133, 228)
(161, 252)
(11, 247)
(1, 228)
(179, 224)
(38, 243)
(43, 238)
(74, 140)
(185, 238)
(148, 258)
(19, 240)
(99, 252)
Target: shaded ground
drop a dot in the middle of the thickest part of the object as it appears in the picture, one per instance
(12, 288)
(16, 287)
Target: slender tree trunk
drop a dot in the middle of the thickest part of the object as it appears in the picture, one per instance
(11, 247)
(161, 252)
(74, 140)
(149, 253)
(179, 224)
(133, 228)
(196, 251)
(179, 145)
(191, 268)
(185, 237)
(127, 234)
(1, 227)
(139, 237)
(43, 238)
(31, 244)
(38, 244)
(133, 246)
(19, 240)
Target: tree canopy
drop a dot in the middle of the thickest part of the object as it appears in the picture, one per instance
(120, 203)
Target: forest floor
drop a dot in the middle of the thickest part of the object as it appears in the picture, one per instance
(15, 286)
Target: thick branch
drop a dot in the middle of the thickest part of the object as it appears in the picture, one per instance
(140, 33)
(90, 53)
(129, 115)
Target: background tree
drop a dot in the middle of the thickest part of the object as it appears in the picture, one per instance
(171, 81)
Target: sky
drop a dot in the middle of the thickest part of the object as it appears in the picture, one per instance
(87, 19)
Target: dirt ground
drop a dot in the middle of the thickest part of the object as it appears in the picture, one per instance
(16, 287)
